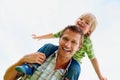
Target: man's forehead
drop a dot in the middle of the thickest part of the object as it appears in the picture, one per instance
(71, 33)
(67, 31)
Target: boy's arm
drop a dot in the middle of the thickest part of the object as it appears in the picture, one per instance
(47, 36)
(97, 69)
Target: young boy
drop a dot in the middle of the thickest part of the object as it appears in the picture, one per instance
(87, 22)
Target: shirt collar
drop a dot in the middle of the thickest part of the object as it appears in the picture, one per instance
(56, 53)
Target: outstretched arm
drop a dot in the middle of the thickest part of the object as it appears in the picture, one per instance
(47, 36)
(97, 69)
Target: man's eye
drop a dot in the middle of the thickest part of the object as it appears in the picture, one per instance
(65, 39)
(74, 42)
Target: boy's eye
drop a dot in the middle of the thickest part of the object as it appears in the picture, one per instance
(86, 22)
(81, 19)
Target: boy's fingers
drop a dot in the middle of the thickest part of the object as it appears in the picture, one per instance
(33, 35)
(66, 79)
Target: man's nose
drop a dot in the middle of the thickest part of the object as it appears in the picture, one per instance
(68, 44)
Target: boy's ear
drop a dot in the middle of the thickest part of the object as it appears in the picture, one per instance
(88, 33)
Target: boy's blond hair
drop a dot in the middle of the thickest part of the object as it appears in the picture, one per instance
(94, 22)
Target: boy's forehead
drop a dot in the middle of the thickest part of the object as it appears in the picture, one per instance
(86, 17)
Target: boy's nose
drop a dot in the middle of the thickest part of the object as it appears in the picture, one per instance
(82, 21)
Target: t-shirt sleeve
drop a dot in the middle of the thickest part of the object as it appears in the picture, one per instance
(57, 35)
(90, 51)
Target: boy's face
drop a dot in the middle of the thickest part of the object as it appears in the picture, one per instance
(84, 23)
(69, 43)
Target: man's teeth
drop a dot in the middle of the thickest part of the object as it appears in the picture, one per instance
(67, 49)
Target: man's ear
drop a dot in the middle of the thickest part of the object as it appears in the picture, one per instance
(80, 46)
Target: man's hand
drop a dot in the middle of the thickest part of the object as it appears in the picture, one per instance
(35, 57)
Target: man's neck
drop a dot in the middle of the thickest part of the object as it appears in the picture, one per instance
(61, 62)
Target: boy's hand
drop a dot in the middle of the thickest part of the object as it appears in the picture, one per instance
(103, 78)
(34, 36)
(66, 79)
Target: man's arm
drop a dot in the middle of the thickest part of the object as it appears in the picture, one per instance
(35, 57)
(11, 73)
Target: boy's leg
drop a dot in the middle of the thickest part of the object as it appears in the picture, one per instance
(74, 70)
(25, 68)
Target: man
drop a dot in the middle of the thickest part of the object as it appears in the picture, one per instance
(57, 64)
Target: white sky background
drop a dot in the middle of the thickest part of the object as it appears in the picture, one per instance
(21, 18)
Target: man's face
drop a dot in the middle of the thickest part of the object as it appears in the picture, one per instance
(69, 43)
